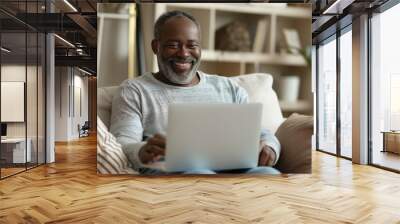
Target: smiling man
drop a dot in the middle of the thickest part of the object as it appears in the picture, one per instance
(139, 110)
(177, 46)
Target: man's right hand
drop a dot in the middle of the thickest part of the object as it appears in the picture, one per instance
(153, 150)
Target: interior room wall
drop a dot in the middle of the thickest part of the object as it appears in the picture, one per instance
(79, 117)
(33, 126)
(67, 116)
(62, 80)
(16, 72)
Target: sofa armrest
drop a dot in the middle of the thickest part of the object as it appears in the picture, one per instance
(295, 135)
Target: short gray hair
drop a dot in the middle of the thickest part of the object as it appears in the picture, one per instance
(168, 15)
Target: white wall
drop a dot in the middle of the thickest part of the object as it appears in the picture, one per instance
(79, 117)
(113, 54)
(62, 81)
(12, 73)
(67, 117)
(33, 126)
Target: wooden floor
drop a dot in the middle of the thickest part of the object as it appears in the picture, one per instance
(10, 171)
(387, 159)
(70, 191)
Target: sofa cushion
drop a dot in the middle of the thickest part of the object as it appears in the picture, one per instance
(295, 137)
(259, 88)
(104, 100)
(110, 157)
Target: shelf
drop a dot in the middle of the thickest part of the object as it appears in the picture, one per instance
(295, 12)
(271, 58)
(300, 105)
(250, 57)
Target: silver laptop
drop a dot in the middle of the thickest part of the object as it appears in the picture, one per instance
(212, 136)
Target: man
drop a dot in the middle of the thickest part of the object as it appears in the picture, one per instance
(139, 110)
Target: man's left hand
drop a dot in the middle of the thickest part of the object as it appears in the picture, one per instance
(267, 155)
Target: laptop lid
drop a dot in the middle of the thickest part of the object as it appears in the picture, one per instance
(212, 136)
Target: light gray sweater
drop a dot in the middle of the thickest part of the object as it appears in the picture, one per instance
(139, 109)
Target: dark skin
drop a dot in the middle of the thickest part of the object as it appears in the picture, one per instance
(180, 38)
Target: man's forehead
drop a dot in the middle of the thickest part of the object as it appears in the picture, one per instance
(179, 19)
(179, 25)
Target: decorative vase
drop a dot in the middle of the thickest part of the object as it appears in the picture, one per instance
(289, 87)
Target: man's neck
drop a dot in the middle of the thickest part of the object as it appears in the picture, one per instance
(160, 77)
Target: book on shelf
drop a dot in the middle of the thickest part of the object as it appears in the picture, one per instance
(259, 37)
(292, 40)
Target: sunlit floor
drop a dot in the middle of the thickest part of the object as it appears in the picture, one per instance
(386, 159)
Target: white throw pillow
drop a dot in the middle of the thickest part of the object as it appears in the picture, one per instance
(104, 101)
(110, 157)
(259, 89)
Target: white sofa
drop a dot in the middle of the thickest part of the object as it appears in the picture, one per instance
(259, 87)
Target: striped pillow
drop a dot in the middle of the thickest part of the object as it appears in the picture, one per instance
(110, 157)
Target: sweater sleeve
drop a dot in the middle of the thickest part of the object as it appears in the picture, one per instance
(126, 123)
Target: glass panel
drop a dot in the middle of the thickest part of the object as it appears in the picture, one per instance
(313, 88)
(385, 89)
(346, 94)
(13, 87)
(31, 101)
(327, 97)
(31, 85)
(23, 82)
(41, 99)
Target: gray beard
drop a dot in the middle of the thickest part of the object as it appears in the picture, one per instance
(173, 77)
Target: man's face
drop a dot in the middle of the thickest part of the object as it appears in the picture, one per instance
(178, 50)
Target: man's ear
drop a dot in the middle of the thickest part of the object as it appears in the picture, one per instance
(154, 46)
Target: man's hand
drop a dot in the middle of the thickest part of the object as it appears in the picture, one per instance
(153, 150)
(267, 155)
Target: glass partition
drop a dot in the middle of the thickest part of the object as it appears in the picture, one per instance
(385, 89)
(41, 107)
(14, 154)
(327, 96)
(346, 93)
(31, 98)
(22, 77)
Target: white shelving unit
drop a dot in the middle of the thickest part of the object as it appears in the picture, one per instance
(249, 57)
(272, 59)
(298, 106)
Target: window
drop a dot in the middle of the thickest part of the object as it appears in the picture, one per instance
(346, 93)
(385, 85)
(327, 96)
(394, 102)
(333, 137)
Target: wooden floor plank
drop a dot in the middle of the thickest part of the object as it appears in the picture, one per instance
(70, 191)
